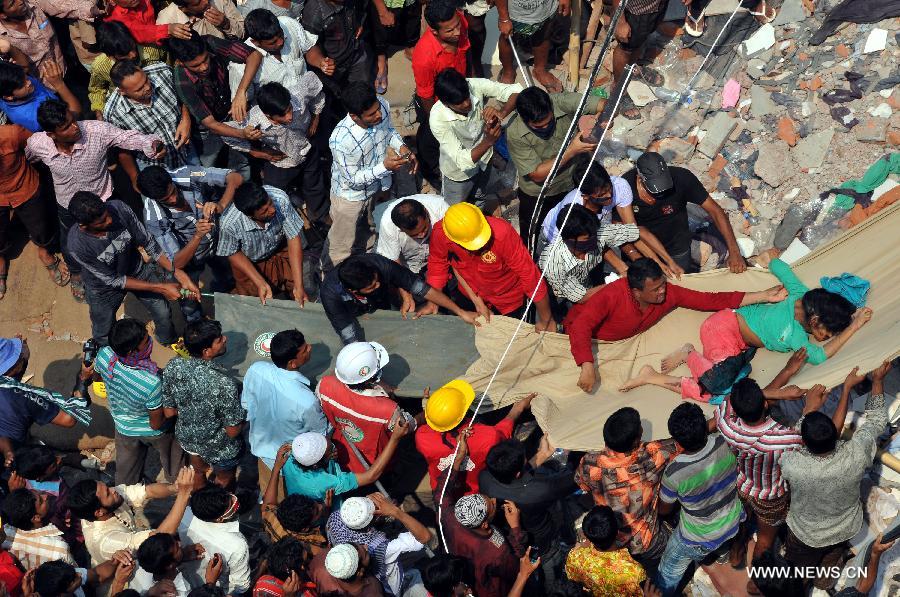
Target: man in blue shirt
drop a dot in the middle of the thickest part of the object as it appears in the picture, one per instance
(21, 95)
(313, 470)
(279, 401)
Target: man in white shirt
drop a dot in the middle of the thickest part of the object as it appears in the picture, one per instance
(212, 522)
(404, 228)
(108, 519)
(283, 43)
(467, 129)
(219, 18)
(280, 402)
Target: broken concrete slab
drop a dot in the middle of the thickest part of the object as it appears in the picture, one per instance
(871, 130)
(640, 93)
(676, 150)
(761, 102)
(876, 41)
(774, 164)
(811, 151)
(717, 131)
(791, 11)
(762, 40)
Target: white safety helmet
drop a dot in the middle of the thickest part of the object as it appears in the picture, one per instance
(359, 362)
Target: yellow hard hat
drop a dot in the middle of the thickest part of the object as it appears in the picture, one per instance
(449, 405)
(465, 225)
(99, 389)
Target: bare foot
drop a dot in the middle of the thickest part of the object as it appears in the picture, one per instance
(507, 75)
(547, 79)
(642, 379)
(676, 358)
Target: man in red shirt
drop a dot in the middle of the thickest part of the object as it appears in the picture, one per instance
(444, 414)
(443, 45)
(492, 264)
(634, 304)
(140, 19)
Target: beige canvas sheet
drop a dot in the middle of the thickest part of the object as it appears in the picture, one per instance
(574, 420)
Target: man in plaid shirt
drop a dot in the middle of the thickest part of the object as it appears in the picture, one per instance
(625, 476)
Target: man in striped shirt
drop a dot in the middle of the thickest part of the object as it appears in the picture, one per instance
(703, 479)
(759, 442)
(30, 536)
(134, 392)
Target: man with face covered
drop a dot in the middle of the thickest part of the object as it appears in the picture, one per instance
(534, 138)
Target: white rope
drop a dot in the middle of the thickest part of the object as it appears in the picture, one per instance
(687, 88)
(537, 286)
(524, 71)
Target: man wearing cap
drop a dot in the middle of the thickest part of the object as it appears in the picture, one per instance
(494, 267)
(313, 470)
(466, 523)
(343, 569)
(364, 283)
(660, 197)
(359, 406)
(444, 413)
(22, 405)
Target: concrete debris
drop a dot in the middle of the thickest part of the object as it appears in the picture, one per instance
(871, 130)
(811, 151)
(791, 11)
(762, 40)
(761, 102)
(640, 93)
(876, 42)
(882, 110)
(774, 164)
(676, 150)
(717, 131)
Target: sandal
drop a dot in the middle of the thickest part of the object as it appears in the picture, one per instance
(381, 84)
(767, 13)
(59, 276)
(77, 288)
(652, 77)
(695, 27)
(3, 284)
(629, 110)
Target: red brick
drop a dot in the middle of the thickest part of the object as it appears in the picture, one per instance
(786, 131)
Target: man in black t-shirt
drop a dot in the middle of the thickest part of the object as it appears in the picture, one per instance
(661, 195)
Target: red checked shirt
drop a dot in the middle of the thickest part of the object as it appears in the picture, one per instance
(614, 314)
(438, 447)
(429, 58)
(503, 273)
(141, 21)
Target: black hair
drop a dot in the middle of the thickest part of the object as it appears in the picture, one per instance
(207, 590)
(747, 400)
(407, 213)
(597, 176)
(533, 104)
(186, 50)
(83, 500)
(285, 345)
(296, 512)
(210, 502)
(443, 572)
(200, 335)
(262, 25)
(687, 425)
(126, 335)
(600, 527)
(358, 97)
(819, 433)
(12, 77)
(155, 554)
(622, 430)
(249, 197)
(580, 221)
(130, 593)
(86, 207)
(273, 99)
(439, 11)
(286, 555)
(122, 69)
(154, 182)
(506, 460)
(52, 114)
(54, 578)
(356, 273)
(113, 39)
(19, 508)
(450, 87)
(774, 584)
(565, 587)
(834, 311)
(641, 270)
(32, 462)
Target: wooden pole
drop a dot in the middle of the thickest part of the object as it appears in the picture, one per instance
(575, 44)
(593, 29)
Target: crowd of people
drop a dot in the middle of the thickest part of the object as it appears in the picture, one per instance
(155, 148)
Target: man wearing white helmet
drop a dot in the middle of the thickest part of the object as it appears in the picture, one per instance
(358, 405)
(310, 467)
(344, 570)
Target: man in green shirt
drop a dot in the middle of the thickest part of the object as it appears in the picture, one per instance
(534, 137)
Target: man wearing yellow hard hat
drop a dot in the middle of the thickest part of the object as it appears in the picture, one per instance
(488, 254)
(445, 413)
